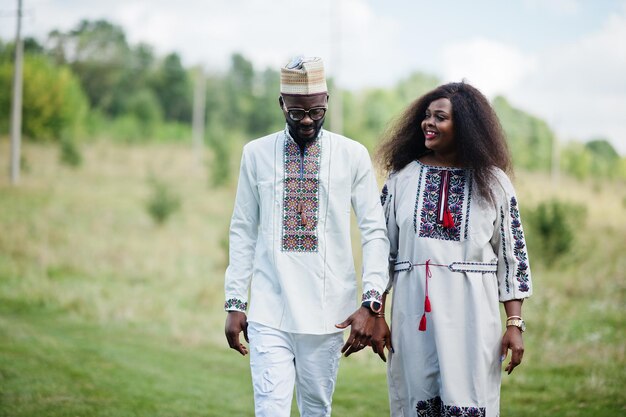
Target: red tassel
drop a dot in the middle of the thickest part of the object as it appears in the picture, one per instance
(427, 305)
(448, 221)
(423, 323)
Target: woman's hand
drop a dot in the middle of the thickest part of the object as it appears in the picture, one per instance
(512, 340)
(381, 337)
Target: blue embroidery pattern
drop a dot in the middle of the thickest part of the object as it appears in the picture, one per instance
(301, 187)
(235, 304)
(470, 181)
(417, 197)
(519, 248)
(435, 408)
(372, 294)
(428, 222)
(383, 195)
(506, 259)
(429, 408)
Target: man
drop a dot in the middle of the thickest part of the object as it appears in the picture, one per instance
(290, 247)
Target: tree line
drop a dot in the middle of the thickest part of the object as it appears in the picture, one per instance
(90, 82)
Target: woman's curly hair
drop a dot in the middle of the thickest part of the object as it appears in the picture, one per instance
(478, 135)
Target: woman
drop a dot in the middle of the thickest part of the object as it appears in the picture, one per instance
(457, 250)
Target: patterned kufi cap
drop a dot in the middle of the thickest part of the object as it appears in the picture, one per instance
(303, 76)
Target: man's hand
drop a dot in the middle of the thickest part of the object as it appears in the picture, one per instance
(512, 339)
(381, 338)
(362, 326)
(236, 322)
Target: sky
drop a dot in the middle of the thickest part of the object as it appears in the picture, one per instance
(561, 60)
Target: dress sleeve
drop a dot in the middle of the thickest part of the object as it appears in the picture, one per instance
(243, 236)
(514, 280)
(387, 200)
(371, 221)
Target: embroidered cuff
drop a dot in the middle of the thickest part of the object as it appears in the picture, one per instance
(235, 304)
(372, 295)
(519, 248)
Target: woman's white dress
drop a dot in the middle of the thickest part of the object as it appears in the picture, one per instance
(446, 361)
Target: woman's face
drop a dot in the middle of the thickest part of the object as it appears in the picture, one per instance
(438, 127)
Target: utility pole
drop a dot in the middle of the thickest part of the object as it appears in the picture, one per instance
(197, 124)
(16, 106)
(336, 108)
(556, 161)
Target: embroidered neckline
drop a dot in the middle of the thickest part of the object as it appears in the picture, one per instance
(301, 195)
(444, 168)
(429, 224)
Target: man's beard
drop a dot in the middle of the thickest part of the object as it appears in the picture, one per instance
(304, 140)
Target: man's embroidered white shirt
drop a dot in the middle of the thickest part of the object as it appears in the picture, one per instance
(290, 242)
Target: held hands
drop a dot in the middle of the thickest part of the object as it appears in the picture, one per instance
(236, 322)
(362, 325)
(512, 340)
(381, 338)
(366, 329)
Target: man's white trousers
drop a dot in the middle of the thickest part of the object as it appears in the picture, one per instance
(280, 360)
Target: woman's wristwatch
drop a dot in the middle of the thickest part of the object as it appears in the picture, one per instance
(517, 322)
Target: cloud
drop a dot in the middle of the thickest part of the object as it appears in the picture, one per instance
(366, 49)
(491, 66)
(558, 6)
(580, 87)
(344, 32)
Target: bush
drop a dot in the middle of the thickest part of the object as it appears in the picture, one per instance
(219, 165)
(162, 203)
(552, 228)
(69, 153)
(127, 129)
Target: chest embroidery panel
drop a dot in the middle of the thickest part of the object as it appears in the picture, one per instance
(301, 197)
(442, 194)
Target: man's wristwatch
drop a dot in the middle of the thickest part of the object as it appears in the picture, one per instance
(373, 306)
(519, 323)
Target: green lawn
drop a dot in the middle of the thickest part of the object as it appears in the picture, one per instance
(102, 313)
(55, 367)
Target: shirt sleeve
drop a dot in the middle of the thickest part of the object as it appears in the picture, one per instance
(371, 222)
(243, 236)
(514, 279)
(387, 200)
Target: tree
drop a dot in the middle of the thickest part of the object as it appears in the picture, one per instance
(265, 115)
(576, 160)
(31, 47)
(368, 113)
(529, 138)
(54, 105)
(172, 86)
(414, 86)
(604, 158)
(239, 84)
(98, 53)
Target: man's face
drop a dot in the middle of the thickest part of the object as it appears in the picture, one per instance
(306, 129)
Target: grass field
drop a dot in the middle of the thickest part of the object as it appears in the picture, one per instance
(103, 313)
